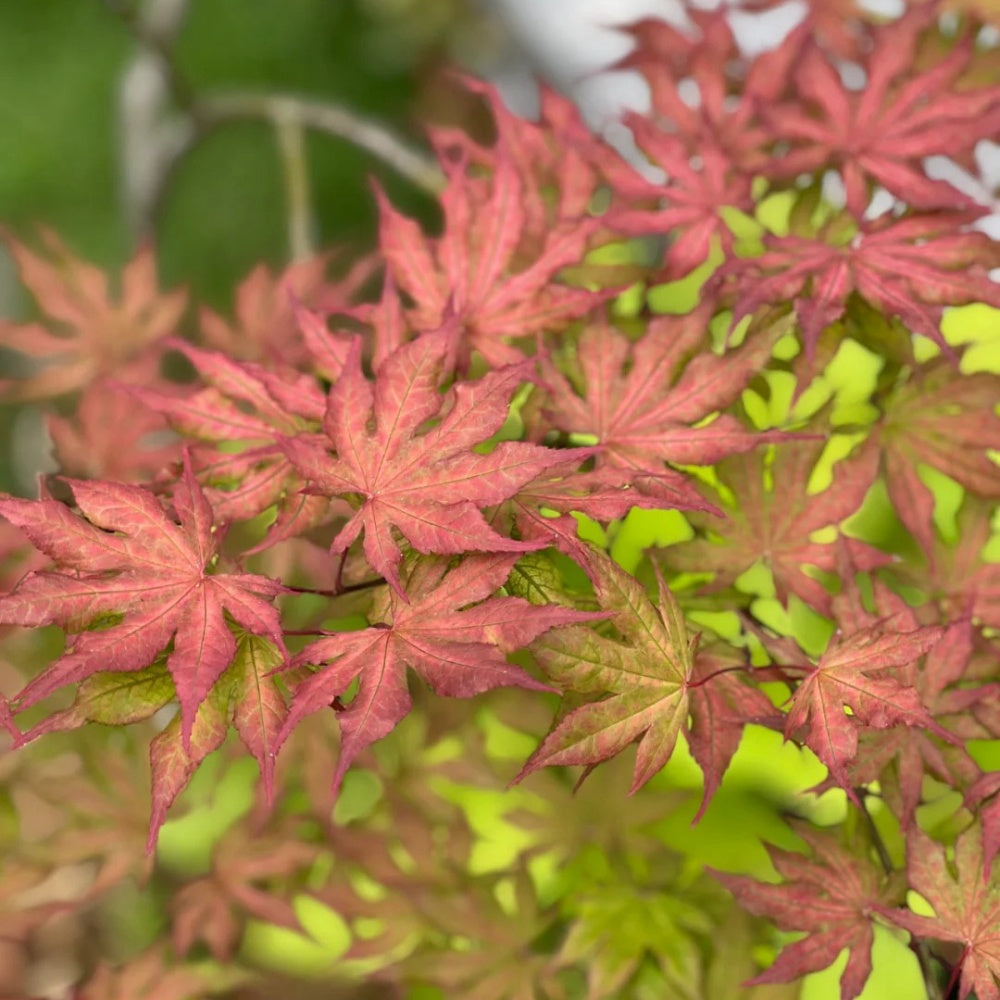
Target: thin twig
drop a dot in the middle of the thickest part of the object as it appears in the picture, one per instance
(351, 588)
(880, 849)
(331, 118)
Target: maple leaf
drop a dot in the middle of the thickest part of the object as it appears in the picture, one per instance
(881, 133)
(641, 399)
(246, 695)
(616, 928)
(429, 486)
(267, 326)
(644, 676)
(914, 750)
(561, 162)
(472, 272)
(460, 653)
(946, 420)
(108, 438)
(692, 196)
(542, 509)
(17, 556)
(703, 57)
(842, 26)
(501, 961)
(388, 324)
(910, 268)
(213, 908)
(417, 853)
(830, 895)
(966, 907)
(155, 976)
(87, 334)
(985, 793)
(773, 525)
(19, 879)
(721, 704)
(864, 669)
(246, 411)
(96, 793)
(956, 576)
(125, 558)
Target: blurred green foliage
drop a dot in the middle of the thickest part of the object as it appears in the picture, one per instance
(61, 67)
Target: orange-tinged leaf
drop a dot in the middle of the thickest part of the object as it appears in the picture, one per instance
(89, 333)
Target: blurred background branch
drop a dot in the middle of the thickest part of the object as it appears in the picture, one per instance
(325, 116)
(162, 117)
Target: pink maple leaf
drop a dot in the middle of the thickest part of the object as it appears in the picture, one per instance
(473, 271)
(882, 133)
(450, 631)
(126, 559)
(429, 486)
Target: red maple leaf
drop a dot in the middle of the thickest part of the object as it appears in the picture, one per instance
(704, 59)
(864, 669)
(155, 975)
(252, 874)
(831, 896)
(542, 509)
(125, 559)
(87, 333)
(640, 680)
(646, 401)
(473, 272)
(966, 906)
(267, 327)
(842, 26)
(946, 420)
(913, 750)
(245, 412)
(722, 701)
(17, 556)
(459, 650)
(986, 792)
(774, 525)
(561, 162)
(911, 268)
(388, 324)
(692, 196)
(430, 486)
(881, 134)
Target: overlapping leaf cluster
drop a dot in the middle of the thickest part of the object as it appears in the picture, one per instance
(419, 476)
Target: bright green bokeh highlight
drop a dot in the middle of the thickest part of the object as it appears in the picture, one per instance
(215, 802)
(314, 952)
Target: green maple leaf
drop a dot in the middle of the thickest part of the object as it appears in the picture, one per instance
(643, 676)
